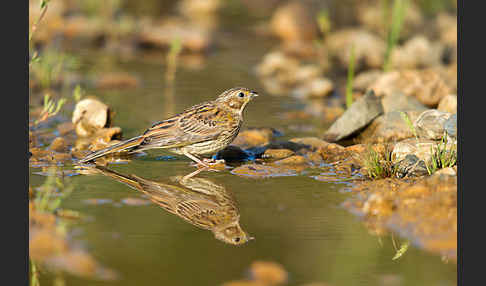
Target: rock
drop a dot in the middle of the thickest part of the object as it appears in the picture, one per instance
(418, 52)
(360, 149)
(431, 124)
(254, 137)
(357, 116)
(449, 75)
(446, 172)
(369, 49)
(277, 62)
(448, 104)
(269, 273)
(293, 22)
(262, 171)
(333, 152)
(89, 116)
(411, 166)
(308, 72)
(422, 148)
(425, 85)
(197, 8)
(101, 139)
(446, 26)
(292, 160)
(232, 153)
(32, 139)
(318, 87)
(313, 142)
(65, 127)
(364, 79)
(398, 102)
(450, 126)
(160, 35)
(293, 146)
(388, 127)
(277, 154)
(82, 27)
(59, 145)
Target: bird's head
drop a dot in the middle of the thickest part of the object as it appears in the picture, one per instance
(232, 234)
(236, 98)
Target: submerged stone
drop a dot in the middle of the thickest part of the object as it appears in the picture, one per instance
(59, 145)
(262, 171)
(277, 153)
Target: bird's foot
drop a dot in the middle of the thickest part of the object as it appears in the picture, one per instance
(210, 165)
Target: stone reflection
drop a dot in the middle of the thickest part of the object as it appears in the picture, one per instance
(198, 201)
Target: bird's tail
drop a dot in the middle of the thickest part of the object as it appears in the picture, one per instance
(127, 145)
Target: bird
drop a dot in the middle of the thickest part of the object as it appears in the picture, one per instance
(200, 130)
(197, 201)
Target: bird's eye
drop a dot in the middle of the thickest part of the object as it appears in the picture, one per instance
(241, 94)
(237, 239)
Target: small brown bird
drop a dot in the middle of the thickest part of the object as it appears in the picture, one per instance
(197, 201)
(202, 129)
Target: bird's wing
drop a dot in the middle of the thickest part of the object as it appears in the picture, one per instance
(200, 123)
(199, 213)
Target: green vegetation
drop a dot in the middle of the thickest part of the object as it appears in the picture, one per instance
(51, 108)
(398, 14)
(349, 81)
(400, 251)
(172, 58)
(324, 22)
(379, 165)
(443, 156)
(432, 7)
(34, 274)
(49, 68)
(409, 123)
(78, 93)
(52, 192)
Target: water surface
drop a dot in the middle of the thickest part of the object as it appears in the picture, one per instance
(296, 221)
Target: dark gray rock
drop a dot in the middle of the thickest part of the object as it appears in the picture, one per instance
(356, 117)
(411, 166)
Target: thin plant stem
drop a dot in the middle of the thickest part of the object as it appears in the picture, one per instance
(349, 82)
(398, 14)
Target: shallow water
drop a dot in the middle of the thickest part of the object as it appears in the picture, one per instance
(296, 221)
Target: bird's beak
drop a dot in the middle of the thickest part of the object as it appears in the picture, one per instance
(254, 94)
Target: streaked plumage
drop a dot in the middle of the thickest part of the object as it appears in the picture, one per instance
(202, 129)
(197, 201)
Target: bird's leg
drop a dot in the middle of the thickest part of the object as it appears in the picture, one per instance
(192, 174)
(201, 163)
(195, 159)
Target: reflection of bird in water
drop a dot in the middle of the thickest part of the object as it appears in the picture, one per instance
(196, 200)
